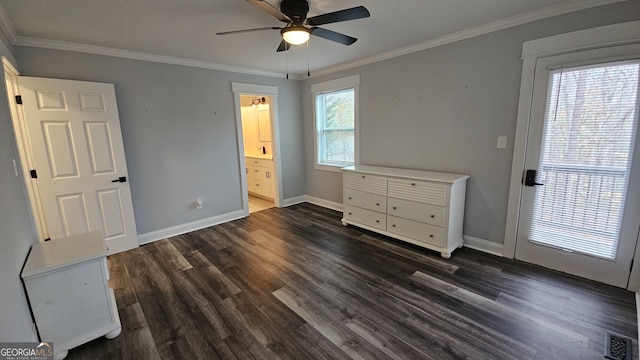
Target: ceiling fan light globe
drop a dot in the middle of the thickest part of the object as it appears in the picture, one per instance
(296, 36)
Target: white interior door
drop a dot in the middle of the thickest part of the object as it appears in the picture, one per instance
(76, 145)
(580, 206)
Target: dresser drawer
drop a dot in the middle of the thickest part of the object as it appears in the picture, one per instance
(418, 231)
(365, 200)
(365, 182)
(426, 213)
(365, 217)
(421, 191)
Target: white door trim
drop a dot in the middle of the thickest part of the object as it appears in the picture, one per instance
(24, 150)
(600, 37)
(261, 90)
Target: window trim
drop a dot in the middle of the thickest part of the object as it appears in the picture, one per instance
(349, 82)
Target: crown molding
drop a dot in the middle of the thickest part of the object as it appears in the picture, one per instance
(524, 18)
(134, 55)
(550, 11)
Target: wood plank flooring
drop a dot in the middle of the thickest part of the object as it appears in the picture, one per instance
(257, 203)
(293, 283)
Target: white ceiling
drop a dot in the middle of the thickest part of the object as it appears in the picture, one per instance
(183, 31)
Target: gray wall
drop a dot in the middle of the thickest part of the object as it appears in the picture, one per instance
(185, 147)
(442, 109)
(16, 236)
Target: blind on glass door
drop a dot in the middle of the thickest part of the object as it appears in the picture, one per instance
(588, 138)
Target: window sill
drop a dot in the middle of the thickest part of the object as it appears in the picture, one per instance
(331, 168)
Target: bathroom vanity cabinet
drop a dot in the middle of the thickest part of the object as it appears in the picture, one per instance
(424, 208)
(260, 179)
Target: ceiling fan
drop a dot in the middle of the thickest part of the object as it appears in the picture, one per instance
(298, 27)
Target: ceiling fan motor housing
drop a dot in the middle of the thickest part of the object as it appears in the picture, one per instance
(296, 10)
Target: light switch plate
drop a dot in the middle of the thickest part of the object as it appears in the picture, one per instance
(502, 142)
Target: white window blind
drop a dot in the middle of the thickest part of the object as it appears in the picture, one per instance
(589, 134)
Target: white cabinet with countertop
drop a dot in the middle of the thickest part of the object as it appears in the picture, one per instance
(260, 180)
(424, 208)
(67, 286)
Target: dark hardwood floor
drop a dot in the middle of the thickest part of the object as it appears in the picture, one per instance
(293, 283)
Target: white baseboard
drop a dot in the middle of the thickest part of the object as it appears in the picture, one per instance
(469, 241)
(192, 226)
(483, 245)
(293, 201)
(324, 203)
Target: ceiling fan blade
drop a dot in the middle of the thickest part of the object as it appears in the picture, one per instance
(247, 30)
(333, 36)
(357, 12)
(265, 6)
(284, 46)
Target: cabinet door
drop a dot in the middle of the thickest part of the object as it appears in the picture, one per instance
(267, 182)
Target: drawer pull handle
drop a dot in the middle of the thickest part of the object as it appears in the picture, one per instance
(394, 225)
(378, 221)
(432, 216)
(349, 197)
(394, 208)
(431, 235)
(377, 204)
(349, 213)
(413, 184)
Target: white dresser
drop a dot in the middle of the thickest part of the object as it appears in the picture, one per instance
(67, 285)
(424, 208)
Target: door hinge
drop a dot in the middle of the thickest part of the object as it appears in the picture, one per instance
(34, 174)
(19, 99)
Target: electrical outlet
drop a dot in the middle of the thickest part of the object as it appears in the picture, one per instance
(199, 204)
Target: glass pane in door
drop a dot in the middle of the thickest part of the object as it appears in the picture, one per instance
(589, 133)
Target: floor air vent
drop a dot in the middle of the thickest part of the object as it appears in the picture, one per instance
(617, 347)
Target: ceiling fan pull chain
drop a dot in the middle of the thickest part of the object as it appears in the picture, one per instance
(308, 68)
(286, 62)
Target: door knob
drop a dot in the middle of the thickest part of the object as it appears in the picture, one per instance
(120, 179)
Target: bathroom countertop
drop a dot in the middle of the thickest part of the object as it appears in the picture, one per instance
(260, 156)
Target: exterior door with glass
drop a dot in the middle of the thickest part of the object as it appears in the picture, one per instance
(580, 206)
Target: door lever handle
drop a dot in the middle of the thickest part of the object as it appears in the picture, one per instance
(120, 179)
(530, 178)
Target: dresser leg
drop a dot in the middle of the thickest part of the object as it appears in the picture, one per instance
(344, 223)
(445, 255)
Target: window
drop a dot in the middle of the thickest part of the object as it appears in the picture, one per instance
(336, 118)
(588, 142)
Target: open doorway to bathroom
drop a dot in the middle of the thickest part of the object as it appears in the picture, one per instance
(257, 134)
